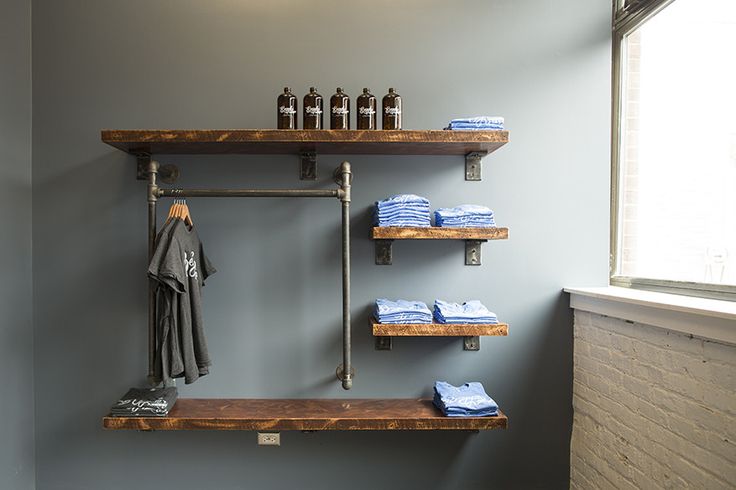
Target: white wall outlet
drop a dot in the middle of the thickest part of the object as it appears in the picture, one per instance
(269, 439)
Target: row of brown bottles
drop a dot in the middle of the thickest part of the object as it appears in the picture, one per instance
(287, 109)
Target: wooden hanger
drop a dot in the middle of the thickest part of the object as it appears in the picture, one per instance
(185, 215)
(172, 211)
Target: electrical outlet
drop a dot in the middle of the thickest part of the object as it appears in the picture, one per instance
(269, 439)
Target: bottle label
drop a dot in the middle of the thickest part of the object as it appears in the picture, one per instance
(392, 111)
(313, 111)
(340, 111)
(366, 111)
(287, 111)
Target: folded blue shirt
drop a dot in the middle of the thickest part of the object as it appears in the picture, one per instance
(403, 210)
(473, 312)
(465, 216)
(478, 120)
(477, 123)
(467, 400)
(401, 199)
(402, 311)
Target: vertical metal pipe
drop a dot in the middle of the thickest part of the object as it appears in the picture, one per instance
(347, 368)
(152, 198)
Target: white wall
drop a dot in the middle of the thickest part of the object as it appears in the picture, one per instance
(652, 408)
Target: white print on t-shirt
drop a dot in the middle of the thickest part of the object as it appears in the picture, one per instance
(190, 265)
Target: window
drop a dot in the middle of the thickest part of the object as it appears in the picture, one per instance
(674, 141)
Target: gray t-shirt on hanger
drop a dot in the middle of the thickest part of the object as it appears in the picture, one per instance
(181, 268)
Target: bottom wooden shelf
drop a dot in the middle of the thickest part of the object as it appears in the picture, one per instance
(305, 414)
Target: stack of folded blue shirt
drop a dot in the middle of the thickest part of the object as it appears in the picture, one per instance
(402, 311)
(468, 312)
(465, 216)
(477, 123)
(403, 210)
(468, 400)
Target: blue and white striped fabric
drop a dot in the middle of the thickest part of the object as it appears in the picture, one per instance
(465, 216)
(403, 210)
(468, 312)
(468, 400)
(477, 123)
(402, 311)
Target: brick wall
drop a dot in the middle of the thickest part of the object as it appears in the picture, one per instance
(653, 408)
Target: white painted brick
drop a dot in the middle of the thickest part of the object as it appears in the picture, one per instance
(719, 352)
(720, 400)
(721, 374)
(724, 447)
(652, 408)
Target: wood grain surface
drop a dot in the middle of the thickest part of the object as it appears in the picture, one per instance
(305, 414)
(437, 233)
(438, 329)
(287, 141)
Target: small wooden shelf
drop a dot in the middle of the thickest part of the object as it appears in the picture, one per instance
(471, 333)
(438, 329)
(438, 233)
(385, 235)
(305, 414)
(295, 141)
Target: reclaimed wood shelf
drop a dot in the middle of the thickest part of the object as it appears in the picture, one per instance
(438, 329)
(471, 333)
(296, 141)
(438, 233)
(385, 235)
(305, 414)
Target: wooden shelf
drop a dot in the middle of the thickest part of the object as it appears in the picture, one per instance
(385, 235)
(438, 329)
(294, 141)
(438, 233)
(305, 414)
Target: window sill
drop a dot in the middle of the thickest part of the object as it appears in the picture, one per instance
(709, 319)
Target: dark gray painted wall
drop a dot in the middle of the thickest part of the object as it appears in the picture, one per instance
(272, 312)
(16, 319)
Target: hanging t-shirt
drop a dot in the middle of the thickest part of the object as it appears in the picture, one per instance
(168, 362)
(181, 268)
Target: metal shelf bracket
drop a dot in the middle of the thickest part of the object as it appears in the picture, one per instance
(384, 343)
(472, 252)
(473, 166)
(308, 165)
(471, 343)
(384, 254)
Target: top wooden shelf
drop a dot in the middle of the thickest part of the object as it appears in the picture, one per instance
(294, 141)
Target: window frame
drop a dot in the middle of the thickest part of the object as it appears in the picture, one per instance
(628, 15)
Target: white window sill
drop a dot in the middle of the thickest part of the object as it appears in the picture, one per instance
(709, 319)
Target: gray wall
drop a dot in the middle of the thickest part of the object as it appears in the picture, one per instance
(16, 320)
(272, 311)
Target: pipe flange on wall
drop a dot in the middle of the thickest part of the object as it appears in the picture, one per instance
(347, 380)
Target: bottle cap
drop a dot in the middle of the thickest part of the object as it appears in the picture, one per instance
(287, 90)
(339, 90)
(390, 90)
(312, 89)
(365, 90)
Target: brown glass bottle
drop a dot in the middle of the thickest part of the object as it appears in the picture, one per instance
(286, 110)
(340, 110)
(366, 118)
(312, 110)
(392, 110)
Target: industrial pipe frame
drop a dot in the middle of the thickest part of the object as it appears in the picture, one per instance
(343, 177)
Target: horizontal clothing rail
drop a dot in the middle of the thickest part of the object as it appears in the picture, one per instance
(248, 192)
